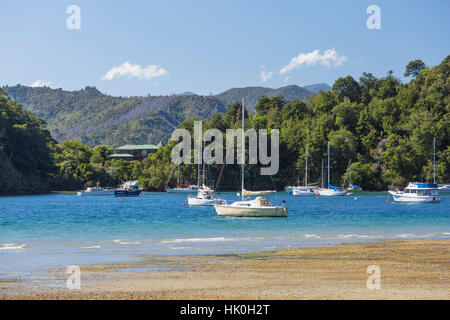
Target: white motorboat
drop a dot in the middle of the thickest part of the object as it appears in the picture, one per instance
(128, 189)
(259, 207)
(417, 192)
(205, 197)
(304, 190)
(331, 190)
(96, 191)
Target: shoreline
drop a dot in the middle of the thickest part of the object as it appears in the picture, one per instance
(410, 269)
(151, 192)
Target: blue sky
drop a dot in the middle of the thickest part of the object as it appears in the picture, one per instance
(210, 46)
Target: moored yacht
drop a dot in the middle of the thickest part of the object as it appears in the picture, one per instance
(417, 192)
(331, 190)
(180, 188)
(128, 189)
(96, 191)
(420, 192)
(260, 206)
(304, 190)
(183, 188)
(205, 197)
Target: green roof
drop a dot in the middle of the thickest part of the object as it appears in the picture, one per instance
(120, 155)
(139, 146)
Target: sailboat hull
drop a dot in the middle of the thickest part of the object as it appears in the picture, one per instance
(180, 190)
(303, 191)
(201, 202)
(331, 192)
(235, 211)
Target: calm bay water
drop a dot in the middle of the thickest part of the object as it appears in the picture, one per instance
(48, 231)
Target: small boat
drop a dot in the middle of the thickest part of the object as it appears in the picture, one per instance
(183, 188)
(417, 192)
(304, 190)
(96, 191)
(180, 188)
(444, 188)
(128, 189)
(260, 206)
(331, 190)
(205, 197)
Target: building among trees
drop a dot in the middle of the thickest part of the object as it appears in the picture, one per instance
(134, 152)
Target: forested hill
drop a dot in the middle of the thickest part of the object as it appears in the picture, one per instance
(96, 118)
(383, 125)
(252, 94)
(26, 162)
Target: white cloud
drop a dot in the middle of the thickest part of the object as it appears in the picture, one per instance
(134, 70)
(329, 58)
(41, 83)
(265, 75)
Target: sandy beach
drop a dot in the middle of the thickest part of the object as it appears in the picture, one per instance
(415, 269)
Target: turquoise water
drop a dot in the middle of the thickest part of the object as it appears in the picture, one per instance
(49, 231)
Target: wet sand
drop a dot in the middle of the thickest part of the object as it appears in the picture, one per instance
(416, 269)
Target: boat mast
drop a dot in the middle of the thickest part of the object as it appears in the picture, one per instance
(350, 175)
(243, 150)
(322, 173)
(203, 168)
(306, 169)
(434, 160)
(328, 164)
(198, 170)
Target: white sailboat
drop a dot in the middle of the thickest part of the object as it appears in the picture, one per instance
(181, 188)
(304, 190)
(205, 195)
(259, 207)
(331, 190)
(419, 192)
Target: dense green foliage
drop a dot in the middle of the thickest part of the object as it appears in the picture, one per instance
(26, 162)
(384, 126)
(96, 118)
(252, 94)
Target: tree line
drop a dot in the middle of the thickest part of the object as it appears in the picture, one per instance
(384, 126)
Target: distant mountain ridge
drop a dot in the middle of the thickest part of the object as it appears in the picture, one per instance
(97, 118)
(315, 88)
(252, 94)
